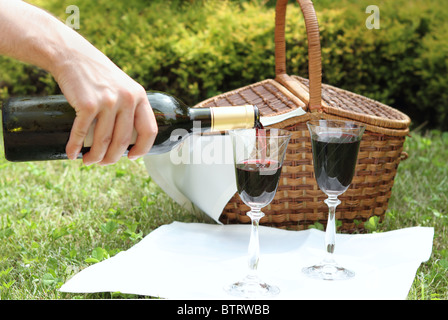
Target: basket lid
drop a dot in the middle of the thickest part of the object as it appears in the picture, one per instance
(273, 99)
(349, 105)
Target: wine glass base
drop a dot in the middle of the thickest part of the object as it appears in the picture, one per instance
(329, 271)
(251, 287)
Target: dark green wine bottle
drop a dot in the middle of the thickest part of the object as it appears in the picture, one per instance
(38, 128)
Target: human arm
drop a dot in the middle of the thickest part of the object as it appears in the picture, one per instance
(93, 85)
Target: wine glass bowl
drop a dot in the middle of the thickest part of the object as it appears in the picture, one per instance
(335, 146)
(258, 159)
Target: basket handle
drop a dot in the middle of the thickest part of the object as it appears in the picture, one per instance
(314, 95)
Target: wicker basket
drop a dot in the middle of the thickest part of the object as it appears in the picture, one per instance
(299, 201)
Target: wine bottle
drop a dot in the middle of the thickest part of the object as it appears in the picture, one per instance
(38, 128)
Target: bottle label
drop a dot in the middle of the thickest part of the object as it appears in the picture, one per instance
(227, 118)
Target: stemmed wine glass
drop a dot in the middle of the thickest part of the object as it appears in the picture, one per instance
(258, 160)
(335, 145)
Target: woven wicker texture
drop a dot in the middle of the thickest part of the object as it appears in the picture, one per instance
(299, 202)
(269, 96)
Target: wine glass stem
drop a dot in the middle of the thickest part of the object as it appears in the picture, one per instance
(330, 233)
(254, 245)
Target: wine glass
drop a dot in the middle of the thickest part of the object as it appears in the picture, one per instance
(258, 160)
(335, 145)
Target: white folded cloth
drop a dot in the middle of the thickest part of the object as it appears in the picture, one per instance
(196, 260)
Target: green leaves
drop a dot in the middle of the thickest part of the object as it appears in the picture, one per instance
(6, 232)
(5, 284)
(130, 233)
(372, 224)
(98, 254)
(51, 279)
(109, 227)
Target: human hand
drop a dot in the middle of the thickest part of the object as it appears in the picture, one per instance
(97, 89)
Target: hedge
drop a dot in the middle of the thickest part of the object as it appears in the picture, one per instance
(197, 49)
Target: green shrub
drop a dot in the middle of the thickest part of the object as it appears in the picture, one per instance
(403, 64)
(197, 49)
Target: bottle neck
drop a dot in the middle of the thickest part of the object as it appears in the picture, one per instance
(228, 118)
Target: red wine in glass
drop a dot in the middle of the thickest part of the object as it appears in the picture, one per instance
(257, 180)
(335, 145)
(258, 159)
(335, 160)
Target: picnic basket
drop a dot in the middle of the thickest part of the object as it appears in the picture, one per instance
(299, 202)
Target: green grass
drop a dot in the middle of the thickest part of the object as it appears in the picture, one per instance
(57, 218)
(420, 198)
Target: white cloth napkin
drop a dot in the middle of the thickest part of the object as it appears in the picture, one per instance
(195, 261)
(199, 173)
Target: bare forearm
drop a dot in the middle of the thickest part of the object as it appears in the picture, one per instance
(32, 35)
(93, 85)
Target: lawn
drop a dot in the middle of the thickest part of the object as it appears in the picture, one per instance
(57, 218)
(420, 198)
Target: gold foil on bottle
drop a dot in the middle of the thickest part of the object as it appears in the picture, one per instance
(227, 118)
